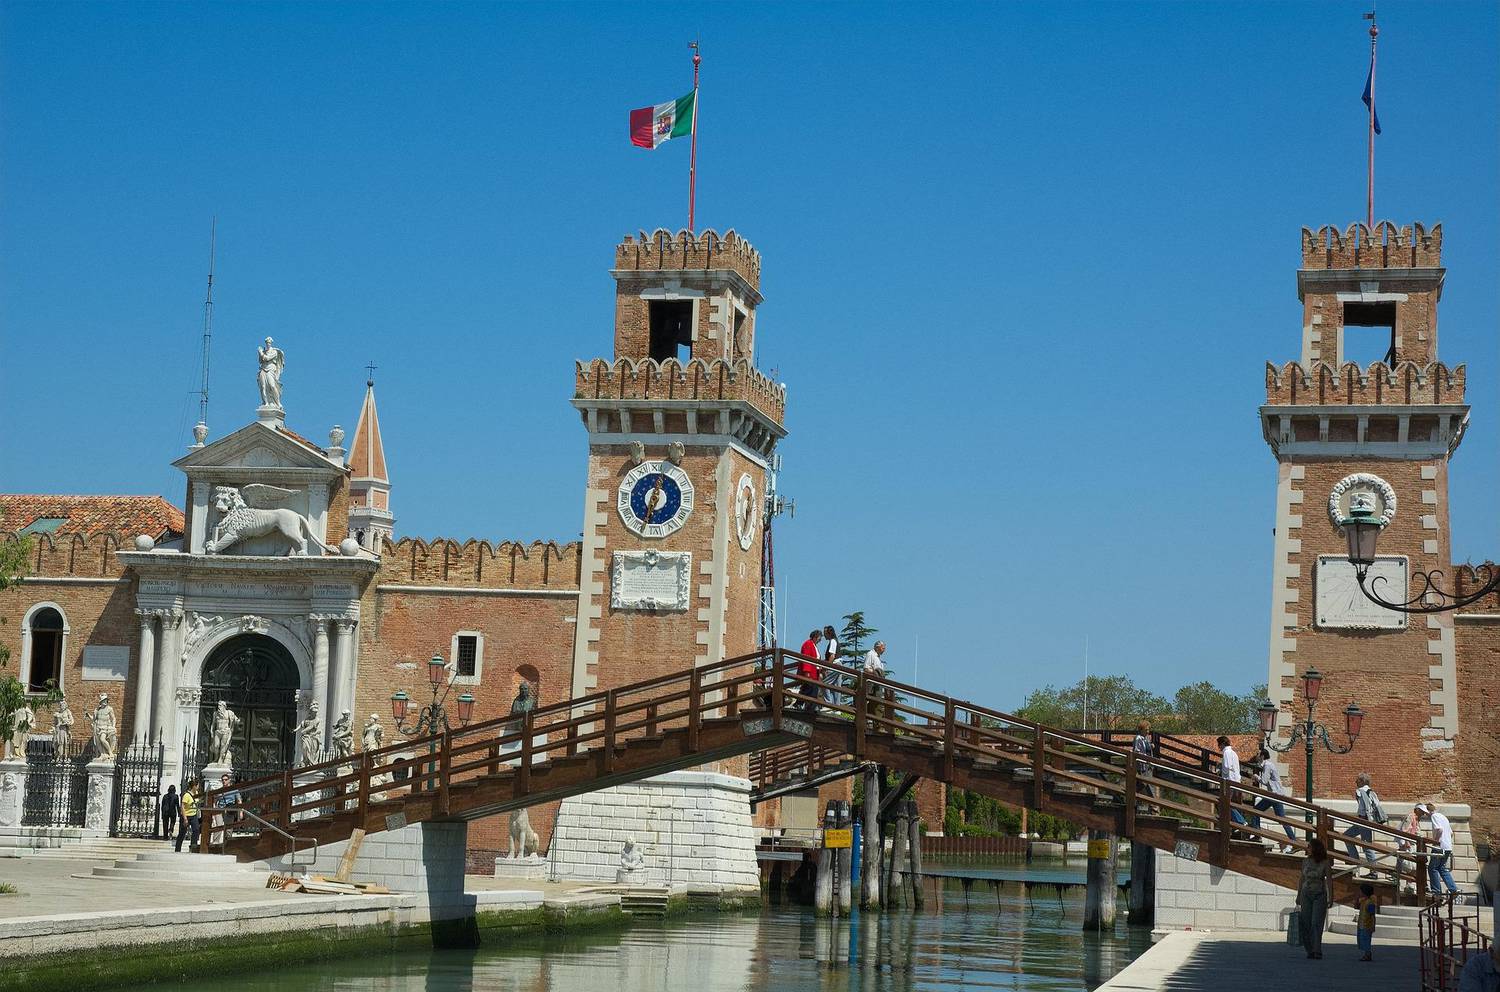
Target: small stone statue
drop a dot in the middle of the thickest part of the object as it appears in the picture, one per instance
(272, 361)
(523, 840)
(62, 731)
(342, 736)
(106, 734)
(310, 737)
(21, 723)
(632, 856)
(225, 723)
(371, 737)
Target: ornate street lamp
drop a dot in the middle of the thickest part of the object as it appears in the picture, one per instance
(1309, 731)
(433, 718)
(1362, 530)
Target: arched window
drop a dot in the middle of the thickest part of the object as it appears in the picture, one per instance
(44, 635)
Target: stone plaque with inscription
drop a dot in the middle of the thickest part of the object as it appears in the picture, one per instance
(105, 662)
(650, 580)
(1341, 604)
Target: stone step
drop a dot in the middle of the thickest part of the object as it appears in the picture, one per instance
(165, 874)
(1384, 932)
(184, 859)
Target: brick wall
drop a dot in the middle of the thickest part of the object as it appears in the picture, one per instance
(1476, 751)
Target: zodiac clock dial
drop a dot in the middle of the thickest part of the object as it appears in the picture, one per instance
(655, 499)
(744, 511)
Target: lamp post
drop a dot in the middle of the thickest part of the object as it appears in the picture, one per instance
(1362, 530)
(432, 719)
(1308, 731)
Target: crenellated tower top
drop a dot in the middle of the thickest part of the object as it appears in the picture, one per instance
(1386, 247)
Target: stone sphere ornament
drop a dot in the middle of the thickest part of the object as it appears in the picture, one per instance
(348, 547)
(144, 542)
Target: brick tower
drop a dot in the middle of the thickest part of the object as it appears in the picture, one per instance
(1387, 430)
(681, 425)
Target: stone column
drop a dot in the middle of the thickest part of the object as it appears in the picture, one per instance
(320, 669)
(341, 688)
(145, 666)
(167, 657)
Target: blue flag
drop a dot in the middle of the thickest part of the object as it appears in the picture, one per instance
(1369, 97)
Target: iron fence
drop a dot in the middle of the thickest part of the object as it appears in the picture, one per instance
(138, 774)
(57, 783)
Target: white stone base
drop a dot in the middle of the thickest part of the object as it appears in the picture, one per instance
(532, 867)
(424, 859)
(694, 827)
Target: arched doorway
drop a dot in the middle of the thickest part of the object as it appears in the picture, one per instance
(256, 677)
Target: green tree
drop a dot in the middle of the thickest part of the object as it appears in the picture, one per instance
(1114, 702)
(14, 555)
(1203, 708)
(852, 638)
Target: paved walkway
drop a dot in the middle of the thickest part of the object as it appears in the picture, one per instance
(1213, 962)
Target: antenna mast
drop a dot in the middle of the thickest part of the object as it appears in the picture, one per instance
(208, 321)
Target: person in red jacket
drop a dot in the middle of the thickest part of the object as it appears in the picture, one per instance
(808, 670)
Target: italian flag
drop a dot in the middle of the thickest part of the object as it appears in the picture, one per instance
(650, 126)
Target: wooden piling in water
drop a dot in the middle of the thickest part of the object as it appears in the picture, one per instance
(870, 858)
(914, 853)
(1141, 911)
(901, 870)
(1099, 898)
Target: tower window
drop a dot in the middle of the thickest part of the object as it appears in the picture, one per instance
(468, 657)
(45, 632)
(671, 329)
(1369, 333)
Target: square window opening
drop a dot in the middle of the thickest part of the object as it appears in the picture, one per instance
(671, 329)
(1375, 337)
(468, 653)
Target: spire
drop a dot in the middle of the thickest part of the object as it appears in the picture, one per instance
(367, 456)
(370, 517)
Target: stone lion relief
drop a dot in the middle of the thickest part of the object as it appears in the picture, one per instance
(249, 511)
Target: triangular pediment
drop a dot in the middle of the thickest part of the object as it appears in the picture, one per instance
(258, 446)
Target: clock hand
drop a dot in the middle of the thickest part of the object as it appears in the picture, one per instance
(655, 492)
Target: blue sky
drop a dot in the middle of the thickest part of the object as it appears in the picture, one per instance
(1023, 267)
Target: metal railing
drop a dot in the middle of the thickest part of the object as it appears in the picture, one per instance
(1447, 942)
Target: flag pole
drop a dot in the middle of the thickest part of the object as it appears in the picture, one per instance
(693, 158)
(1370, 172)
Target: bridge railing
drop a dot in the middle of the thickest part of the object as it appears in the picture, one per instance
(866, 710)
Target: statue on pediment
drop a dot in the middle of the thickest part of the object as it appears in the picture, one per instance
(249, 511)
(272, 361)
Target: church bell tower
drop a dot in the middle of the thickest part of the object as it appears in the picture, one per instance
(681, 427)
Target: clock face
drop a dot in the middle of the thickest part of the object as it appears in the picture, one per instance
(655, 499)
(744, 511)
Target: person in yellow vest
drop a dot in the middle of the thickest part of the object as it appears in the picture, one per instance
(192, 820)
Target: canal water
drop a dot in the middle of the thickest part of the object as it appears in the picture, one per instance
(997, 933)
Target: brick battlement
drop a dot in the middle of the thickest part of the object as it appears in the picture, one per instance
(707, 250)
(1386, 247)
(669, 380)
(1404, 383)
(74, 555)
(507, 565)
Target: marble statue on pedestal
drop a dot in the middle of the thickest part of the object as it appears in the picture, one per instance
(106, 735)
(310, 737)
(62, 730)
(21, 723)
(272, 362)
(370, 738)
(523, 840)
(632, 863)
(342, 737)
(525, 700)
(222, 733)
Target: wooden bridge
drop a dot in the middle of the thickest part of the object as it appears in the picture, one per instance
(759, 704)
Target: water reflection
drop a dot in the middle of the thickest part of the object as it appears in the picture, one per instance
(999, 940)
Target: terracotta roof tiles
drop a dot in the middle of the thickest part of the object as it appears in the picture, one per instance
(125, 515)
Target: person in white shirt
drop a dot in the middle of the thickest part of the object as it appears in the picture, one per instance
(831, 655)
(1437, 864)
(873, 665)
(1269, 780)
(1229, 771)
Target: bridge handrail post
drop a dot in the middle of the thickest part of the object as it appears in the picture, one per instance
(732, 695)
(1130, 790)
(1224, 821)
(523, 774)
(1038, 768)
(1325, 828)
(861, 713)
(651, 711)
(609, 731)
(950, 730)
(445, 762)
(695, 706)
(364, 786)
(778, 669)
(1420, 864)
(284, 813)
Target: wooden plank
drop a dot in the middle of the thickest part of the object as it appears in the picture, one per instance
(950, 731)
(351, 854)
(862, 713)
(695, 707)
(523, 774)
(607, 761)
(445, 757)
(1039, 770)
